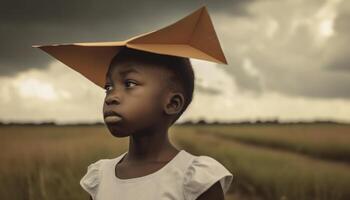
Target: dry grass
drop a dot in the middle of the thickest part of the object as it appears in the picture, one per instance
(48, 162)
(322, 141)
(269, 173)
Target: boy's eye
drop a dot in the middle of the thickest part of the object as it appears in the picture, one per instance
(128, 82)
(107, 87)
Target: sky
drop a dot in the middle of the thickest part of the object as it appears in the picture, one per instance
(288, 59)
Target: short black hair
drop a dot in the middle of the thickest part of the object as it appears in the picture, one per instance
(181, 77)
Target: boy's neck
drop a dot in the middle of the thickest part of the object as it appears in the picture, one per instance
(151, 145)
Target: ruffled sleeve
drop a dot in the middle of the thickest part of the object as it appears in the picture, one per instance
(91, 179)
(202, 173)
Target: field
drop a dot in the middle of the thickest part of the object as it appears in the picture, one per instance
(303, 162)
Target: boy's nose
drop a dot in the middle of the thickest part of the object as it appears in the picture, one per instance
(112, 99)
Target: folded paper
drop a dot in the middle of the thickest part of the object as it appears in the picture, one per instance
(192, 36)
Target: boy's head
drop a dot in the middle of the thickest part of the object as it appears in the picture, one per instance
(155, 92)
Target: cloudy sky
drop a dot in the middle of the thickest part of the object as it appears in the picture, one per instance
(288, 59)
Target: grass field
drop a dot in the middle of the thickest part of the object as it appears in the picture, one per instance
(317, 140)
(47, 162)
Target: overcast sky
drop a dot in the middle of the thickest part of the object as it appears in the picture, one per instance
(288, 59)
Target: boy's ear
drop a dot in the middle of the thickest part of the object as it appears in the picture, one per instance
(174, 103)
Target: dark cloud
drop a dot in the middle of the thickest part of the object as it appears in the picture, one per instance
(242, 78)
(339, 48)
(24, 23)
(297, 59)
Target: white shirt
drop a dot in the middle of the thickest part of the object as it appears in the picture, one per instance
(184, 177)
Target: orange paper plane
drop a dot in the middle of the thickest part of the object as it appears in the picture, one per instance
(192, 36)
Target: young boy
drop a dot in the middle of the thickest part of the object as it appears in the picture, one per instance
(145, 94)
(148, 87)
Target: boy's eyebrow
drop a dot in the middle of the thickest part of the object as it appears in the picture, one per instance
(123, 72)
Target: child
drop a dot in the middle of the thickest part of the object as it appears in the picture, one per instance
(148, 87)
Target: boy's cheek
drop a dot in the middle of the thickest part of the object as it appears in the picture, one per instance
(146, 110)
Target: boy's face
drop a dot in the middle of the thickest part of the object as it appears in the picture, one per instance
(136, 91)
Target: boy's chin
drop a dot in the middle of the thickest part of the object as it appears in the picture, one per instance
(120, 134)
(117, 131)
(124, 130)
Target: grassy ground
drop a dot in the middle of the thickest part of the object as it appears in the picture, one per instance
(269, 173)
(48, 162)
(317, 140)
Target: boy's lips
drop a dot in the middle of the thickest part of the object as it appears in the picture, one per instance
(112, 117)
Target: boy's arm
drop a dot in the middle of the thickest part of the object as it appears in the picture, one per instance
(213, 193)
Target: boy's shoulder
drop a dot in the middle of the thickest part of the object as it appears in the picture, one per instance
(203, 172)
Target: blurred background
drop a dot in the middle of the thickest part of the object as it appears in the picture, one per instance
(277, 116)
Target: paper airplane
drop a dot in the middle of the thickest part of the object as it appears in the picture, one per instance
(192, 36)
